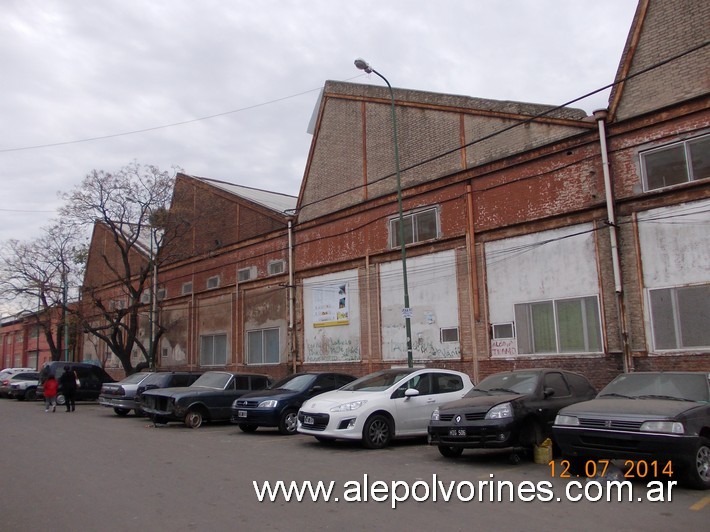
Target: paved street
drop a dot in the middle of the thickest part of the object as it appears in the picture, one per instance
(93, 471)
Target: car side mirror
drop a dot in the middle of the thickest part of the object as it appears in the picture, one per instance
(548, 392)
(411, 392)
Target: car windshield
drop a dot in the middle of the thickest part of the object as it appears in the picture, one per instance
(377, 382)
(134, 379)
(297, 383)
(213, 379)
(520, 382)
(680, 386)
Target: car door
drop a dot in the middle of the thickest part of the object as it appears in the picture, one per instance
(561, 396)
(412, 412)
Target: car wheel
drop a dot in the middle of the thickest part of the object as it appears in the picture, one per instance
(246, 427)
(31, 394)
(377, 432)
(288, 422)
(121, 411)
(194, 418)
(61, 400)
(450, 452)
(699, 470)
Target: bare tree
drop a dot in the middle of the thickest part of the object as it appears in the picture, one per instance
(38, 276)
(128, 209)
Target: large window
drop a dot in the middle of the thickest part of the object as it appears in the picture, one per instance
(418, 227)
(213, 350)
(680, 317)
(263, 346)
(559, 326)
(677, 163)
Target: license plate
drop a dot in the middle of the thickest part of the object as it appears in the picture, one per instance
(242, 413)
(457, 432)
(308, 420)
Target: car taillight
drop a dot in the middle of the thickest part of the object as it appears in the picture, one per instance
(121, 391)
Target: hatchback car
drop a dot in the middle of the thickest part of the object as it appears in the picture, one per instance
(387, 404)
(209, 398)
(513, 409)
(661, 417)
(121, 395)
(278, 406)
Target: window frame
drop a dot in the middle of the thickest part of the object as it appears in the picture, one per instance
(214, 280)
(272, 263)
(186, 288)
(263, 360)
(411, 217)
(675, 318)
(685, 144)
(251, 270)
(203, 337)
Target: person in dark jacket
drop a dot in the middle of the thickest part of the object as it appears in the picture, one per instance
(68, 384)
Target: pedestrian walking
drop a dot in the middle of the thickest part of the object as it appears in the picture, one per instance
(50, 394)
(68, 384)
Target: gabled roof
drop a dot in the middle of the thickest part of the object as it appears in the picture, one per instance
(280, 203)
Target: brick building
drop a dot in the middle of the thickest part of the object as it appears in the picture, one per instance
(535, 236)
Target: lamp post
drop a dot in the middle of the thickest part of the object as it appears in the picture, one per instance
(406, 311)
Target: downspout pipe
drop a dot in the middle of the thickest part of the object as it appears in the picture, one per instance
(600, 116)
(291, 296)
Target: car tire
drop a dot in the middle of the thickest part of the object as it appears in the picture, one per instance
(248, 427)
(288, 422)
(61, 400)
(123, 412)
(377, 432)
(698, 473)
(450, 452)
(194, 418)
(31, 394)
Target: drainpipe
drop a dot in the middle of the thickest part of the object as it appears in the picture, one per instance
(600, 116)
(291, 296)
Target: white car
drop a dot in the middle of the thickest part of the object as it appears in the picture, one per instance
(391, 403)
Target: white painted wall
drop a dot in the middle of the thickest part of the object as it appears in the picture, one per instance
(336, 343)
(553, 264)
(433, 298)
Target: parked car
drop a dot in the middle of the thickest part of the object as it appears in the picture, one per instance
(278, 406)
(7, 381)
(91, 378)
(121, 395)
(164, 379)
(6, 373)
(209, 398)
(24, 386)
(510, 409)
(652, 417)
(378, 407)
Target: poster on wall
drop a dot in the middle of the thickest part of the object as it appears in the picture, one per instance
(330, 305)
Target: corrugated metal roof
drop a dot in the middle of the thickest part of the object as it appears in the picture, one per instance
(281, 203)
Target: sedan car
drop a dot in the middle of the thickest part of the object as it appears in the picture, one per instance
(6, 373)
(209, 398)
(387, 404)
(659, 418)
(164, 379)
(15, 378)
(510, 409)
(24, 386)
(278, 406)
(121, 395)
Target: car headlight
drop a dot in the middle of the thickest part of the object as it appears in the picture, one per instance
(567, 421)
(500, 411)
(435, 414)
(270, 403)
(666, 427)
(347, 407)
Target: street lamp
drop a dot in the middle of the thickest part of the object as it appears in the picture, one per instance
(406, 311)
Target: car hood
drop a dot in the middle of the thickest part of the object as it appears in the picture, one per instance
(482, 402)
(190, 391)
(619, 407)
(325, 401)
(274, 393)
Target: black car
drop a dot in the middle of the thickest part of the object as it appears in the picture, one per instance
(511, 409)
(278, 406)
(164, 379)
(91, 378)
(209, 398)
(660, 419)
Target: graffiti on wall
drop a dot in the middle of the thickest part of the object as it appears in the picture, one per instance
(327, 349)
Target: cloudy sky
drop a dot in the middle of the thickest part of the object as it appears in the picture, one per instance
(225, 89)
